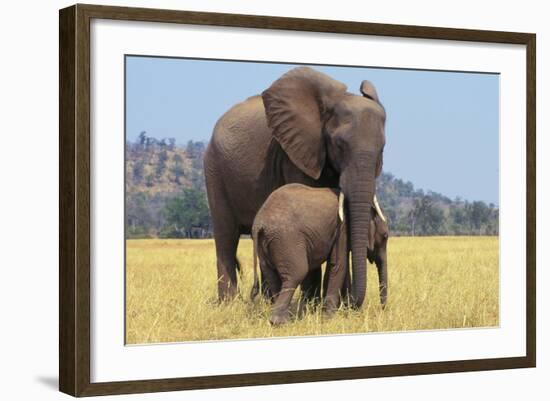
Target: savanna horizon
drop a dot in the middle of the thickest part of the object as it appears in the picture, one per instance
(439, 282)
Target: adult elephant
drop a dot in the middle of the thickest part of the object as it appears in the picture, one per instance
(306, 128)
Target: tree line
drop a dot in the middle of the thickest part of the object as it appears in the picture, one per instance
(166, 198)
(417, 213)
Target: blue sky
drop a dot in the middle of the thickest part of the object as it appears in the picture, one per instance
(442, 129)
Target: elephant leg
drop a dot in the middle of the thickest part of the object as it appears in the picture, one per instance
(382, 266)
(325, 279)
(269, 287)
(280, 313)
(346, 288)
(311, 288)
(292, 270)
(337, 271)
(330, 303)
(335, 282)
(271, 282)
(226, 236)
(226, 254)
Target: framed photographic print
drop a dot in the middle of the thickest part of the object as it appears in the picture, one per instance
(250, 200)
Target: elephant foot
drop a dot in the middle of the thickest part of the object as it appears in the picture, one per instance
(330, 306)
(328, 313)
(227, 292)
(279, 319)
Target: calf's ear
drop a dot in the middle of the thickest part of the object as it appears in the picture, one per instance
(372, 229)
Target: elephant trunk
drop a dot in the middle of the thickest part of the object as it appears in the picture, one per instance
(359, 226)
(360, 209)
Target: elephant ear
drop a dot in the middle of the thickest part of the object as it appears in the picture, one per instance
(369, 91)
(296, 106)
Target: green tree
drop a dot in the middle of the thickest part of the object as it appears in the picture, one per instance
(161, 163)
(137, 171)
(138, 216)
(413, 214)
(426, 217)
(186, 213)
(149, 180)
(177, 168)
(190, 149)
(142, 138)
(150, 143)
(479, 215)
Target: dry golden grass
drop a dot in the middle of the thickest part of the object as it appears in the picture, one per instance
(434, 283)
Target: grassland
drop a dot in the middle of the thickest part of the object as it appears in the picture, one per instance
(434, 283)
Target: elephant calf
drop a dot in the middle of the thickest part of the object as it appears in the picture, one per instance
(295, 231)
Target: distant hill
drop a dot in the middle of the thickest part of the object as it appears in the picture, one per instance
(416, 212)
(161, 180)
(161, 167)
(166, 197)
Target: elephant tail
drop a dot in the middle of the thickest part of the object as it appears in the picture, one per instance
(256, 286)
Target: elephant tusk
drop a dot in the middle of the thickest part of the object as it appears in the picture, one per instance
(378, 210)
(341, 206)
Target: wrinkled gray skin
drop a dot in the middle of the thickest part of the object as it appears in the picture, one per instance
(305, 128)
(295, 231)
(377, 253)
